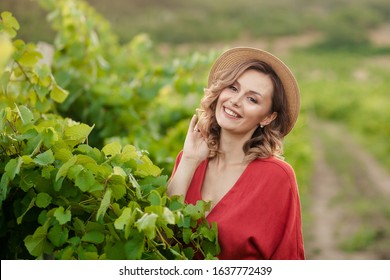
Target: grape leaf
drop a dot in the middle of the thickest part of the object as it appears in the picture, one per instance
(104, 204)
(13, 167)
(25, 114)
(85, 180)
(9, 24)
(63, 216)
(58, 94)
(43, 200)
(35, 243)
(58, 235)
(45, 158)
(112, 149)
(94, 236)
(147, 224)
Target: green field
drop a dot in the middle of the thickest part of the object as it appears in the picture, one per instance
(177, 22)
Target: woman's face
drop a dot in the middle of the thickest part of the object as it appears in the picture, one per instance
(247, 103)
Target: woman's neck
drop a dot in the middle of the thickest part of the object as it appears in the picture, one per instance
(230, 146)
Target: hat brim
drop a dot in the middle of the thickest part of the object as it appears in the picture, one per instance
(232, 57)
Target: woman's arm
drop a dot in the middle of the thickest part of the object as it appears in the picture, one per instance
(195, 150)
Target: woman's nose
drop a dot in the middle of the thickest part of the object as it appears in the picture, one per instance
(235, 100)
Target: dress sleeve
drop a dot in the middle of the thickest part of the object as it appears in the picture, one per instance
(289, 244)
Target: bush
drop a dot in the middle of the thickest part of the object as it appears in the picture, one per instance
(62, 198)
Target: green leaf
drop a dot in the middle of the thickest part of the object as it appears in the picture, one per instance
(33, 145)
(119, 171)
(134, 247)
(63, 171)
(36, 243)
(168, 216)
(175, 250)
(187, 232)
(45, 158)
(118, 186)
(85, 160)
(43, 200)
(63, 216)
(124, 219)
(176, 203)
(147, 224)
(184, 221)
(9, 24)
(154, 198)
(58, 235)
(13, 167)
(74, 170)
(78, 132)
(85, 180)
(47, 171)
(63, 154)
(147, 168)
(104, 204)
(30, 199)
(116, 251)
(27, 159)
(160, 181)
(78, 226)
(207, 232)
(189, 253)
(66, 253)
(58, 184)
(4, 187)
(25, 114)
(196, 211)
(28, 179)
(58, 94)
(49, 137)
(129, 152)
(112, 149)
(95, 237)
(30, 56)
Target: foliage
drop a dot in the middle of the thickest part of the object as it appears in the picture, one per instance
(62, 198)
(123, 84)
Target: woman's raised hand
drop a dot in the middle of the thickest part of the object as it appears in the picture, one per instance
(195, 147)
(195, 150)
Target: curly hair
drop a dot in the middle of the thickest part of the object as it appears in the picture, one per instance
(266, 141)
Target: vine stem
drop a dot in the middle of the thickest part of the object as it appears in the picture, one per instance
(162, 238)
(24, 73)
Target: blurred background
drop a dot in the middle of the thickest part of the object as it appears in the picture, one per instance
(136, 69)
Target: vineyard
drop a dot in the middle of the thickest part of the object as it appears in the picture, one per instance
(90, 133)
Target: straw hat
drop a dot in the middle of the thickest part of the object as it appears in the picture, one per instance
(234, 56)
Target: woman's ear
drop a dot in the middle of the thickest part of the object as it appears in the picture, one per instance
(268, 119)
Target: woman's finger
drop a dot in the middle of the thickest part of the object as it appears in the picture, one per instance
(191, 128)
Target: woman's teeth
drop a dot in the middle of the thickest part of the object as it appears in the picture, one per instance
(231, 113)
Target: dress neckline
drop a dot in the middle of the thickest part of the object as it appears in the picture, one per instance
(227, 194)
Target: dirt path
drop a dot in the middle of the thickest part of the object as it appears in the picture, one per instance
(349, 199)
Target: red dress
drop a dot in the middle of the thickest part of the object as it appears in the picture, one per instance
(260, 216)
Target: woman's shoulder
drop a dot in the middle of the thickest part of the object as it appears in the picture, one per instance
(274, 164)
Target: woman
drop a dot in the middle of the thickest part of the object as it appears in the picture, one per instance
(232, 157)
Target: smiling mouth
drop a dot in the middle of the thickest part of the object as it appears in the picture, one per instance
(231, 113)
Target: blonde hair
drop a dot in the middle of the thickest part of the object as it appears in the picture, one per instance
(265, 142)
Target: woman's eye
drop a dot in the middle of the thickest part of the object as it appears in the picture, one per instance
(252, 100)
(233, 88)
